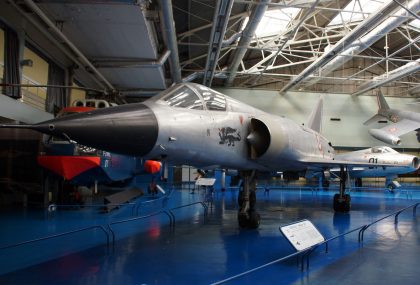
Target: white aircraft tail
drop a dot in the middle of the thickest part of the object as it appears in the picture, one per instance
(315, 119)
(382, 106)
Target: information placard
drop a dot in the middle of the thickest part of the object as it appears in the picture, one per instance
(205, 181)
(302, 234)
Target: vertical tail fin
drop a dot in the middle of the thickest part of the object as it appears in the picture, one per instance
(382, 104)
(315, 119)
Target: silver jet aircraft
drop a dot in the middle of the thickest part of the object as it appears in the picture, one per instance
(190, 124)
(404, 122)
(404, 163)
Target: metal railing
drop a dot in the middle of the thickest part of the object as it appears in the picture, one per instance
(135, 219)
(59, 235)
(307, 252)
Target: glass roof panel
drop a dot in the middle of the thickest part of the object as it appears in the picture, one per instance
(274, 21)
(356, 10)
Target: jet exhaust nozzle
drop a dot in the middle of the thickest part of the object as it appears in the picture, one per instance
(385, 137)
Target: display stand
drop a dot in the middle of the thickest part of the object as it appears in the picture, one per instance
(204, 182)
(302, 235)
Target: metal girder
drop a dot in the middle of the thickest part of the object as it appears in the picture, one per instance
(246, 38)
(169, 35)
(383, 79)
(370, 22)
(220, 22)
(367, 40)
(131, 63)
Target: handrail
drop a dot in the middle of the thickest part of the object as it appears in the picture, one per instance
(396, 213)
(137, 207)
(51, 207)
(137, 218)
(59, 235)
(206, 208)
(306, 252)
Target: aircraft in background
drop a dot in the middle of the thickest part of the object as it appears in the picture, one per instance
(404, 122)
(190, 124)
(404, 163)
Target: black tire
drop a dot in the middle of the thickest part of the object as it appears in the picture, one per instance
(342, 206)
(254, 220)
(243, 221)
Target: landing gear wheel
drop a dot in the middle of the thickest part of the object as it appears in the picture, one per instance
(254, 220)
(242, 220)
(342, 204)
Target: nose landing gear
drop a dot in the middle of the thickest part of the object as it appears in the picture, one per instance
(248, 217)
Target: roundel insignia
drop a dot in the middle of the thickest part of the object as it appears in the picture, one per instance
(241, 119)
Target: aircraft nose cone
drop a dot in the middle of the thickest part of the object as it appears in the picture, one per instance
(130, 129)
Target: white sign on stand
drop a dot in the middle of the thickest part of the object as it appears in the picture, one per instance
(205, 181)
(302, 234)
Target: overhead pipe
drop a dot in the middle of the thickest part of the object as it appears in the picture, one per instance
(169, 34)
(246, 39)
(372, 21)
(220, 22)
(366, 41)
(131, 63)
(383, 79)
(79, 54)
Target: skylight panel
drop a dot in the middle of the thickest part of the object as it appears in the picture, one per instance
(415, 23)
(274, 22)
(356, 10)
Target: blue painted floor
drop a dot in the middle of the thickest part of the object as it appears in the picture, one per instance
(206, 250)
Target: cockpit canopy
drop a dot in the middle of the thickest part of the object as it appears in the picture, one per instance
(382, 149)
(194, 97)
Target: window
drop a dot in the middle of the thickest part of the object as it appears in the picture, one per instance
(274, 22)
(184, 97)
(36, 74)
(356, 10)
(214, 101)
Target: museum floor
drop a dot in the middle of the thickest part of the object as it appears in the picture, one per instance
(204, 250)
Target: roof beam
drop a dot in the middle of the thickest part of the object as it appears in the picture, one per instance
(370, 22)
(383, 79)
(169, 35)
(246, 38)
(367, 40)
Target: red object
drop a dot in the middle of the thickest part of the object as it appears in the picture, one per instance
(152, 166)
(68, 166)
(74, 110)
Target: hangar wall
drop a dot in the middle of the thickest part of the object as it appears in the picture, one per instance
(353, 112)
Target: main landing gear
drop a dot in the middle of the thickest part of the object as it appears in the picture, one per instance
(342, 200)
(247, 215)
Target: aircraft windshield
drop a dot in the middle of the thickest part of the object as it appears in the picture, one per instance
(214, 101)
(184, 97)
(383, 149)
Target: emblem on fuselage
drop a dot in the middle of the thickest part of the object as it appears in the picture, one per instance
(229, 135)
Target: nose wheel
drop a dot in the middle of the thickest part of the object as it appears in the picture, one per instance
(248, 217)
